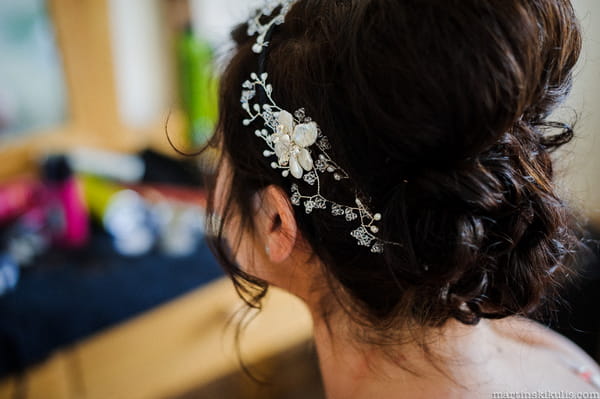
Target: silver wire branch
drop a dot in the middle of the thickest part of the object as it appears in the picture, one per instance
(255, 26)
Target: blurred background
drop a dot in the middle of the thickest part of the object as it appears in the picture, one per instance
(107, 287)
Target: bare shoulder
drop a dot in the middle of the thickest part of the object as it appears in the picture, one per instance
(536, 334)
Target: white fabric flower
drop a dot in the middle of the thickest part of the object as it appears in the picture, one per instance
(291, 142)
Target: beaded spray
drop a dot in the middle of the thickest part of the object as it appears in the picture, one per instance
(297, 141)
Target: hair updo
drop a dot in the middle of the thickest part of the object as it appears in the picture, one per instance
(438, 111)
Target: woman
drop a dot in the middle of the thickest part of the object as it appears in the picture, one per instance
(389, 164)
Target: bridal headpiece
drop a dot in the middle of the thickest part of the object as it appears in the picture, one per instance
(296, 143)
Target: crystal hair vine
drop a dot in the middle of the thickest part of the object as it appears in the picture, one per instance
(296, 139)
(255, 26)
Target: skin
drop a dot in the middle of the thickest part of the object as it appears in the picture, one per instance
(511, 354)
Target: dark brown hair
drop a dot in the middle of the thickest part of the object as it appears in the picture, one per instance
(438, 110)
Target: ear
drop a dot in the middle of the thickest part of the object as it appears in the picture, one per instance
(276, 224)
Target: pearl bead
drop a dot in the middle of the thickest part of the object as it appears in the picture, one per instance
(374, 229)
(377, 216)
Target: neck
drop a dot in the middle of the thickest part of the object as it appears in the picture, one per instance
(353, 370)
(350, 369)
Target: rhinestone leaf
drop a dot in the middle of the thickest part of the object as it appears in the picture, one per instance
(377, 248)
(324, 144)
(309, 206)
(350, 215)
(310, 178)
(320, 203)
(321, 165)
(337, 210)
(364, 238)
(295, 198)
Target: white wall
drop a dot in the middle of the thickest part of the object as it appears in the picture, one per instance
(214, 20)
(143, 57)
(579, 165)
(143, 61)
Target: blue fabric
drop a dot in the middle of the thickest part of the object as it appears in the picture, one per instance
(67, 296)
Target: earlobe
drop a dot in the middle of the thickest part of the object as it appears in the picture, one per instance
(281, 230)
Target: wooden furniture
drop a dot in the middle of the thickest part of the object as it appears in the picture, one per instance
(170, 351)
(83, 36)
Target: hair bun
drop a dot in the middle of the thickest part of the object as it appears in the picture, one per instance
(452, 97)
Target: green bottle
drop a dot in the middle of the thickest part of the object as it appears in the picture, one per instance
(198, 86)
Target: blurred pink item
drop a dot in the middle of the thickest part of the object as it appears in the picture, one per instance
(75, 231)
(67, 214)
(16, 197)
